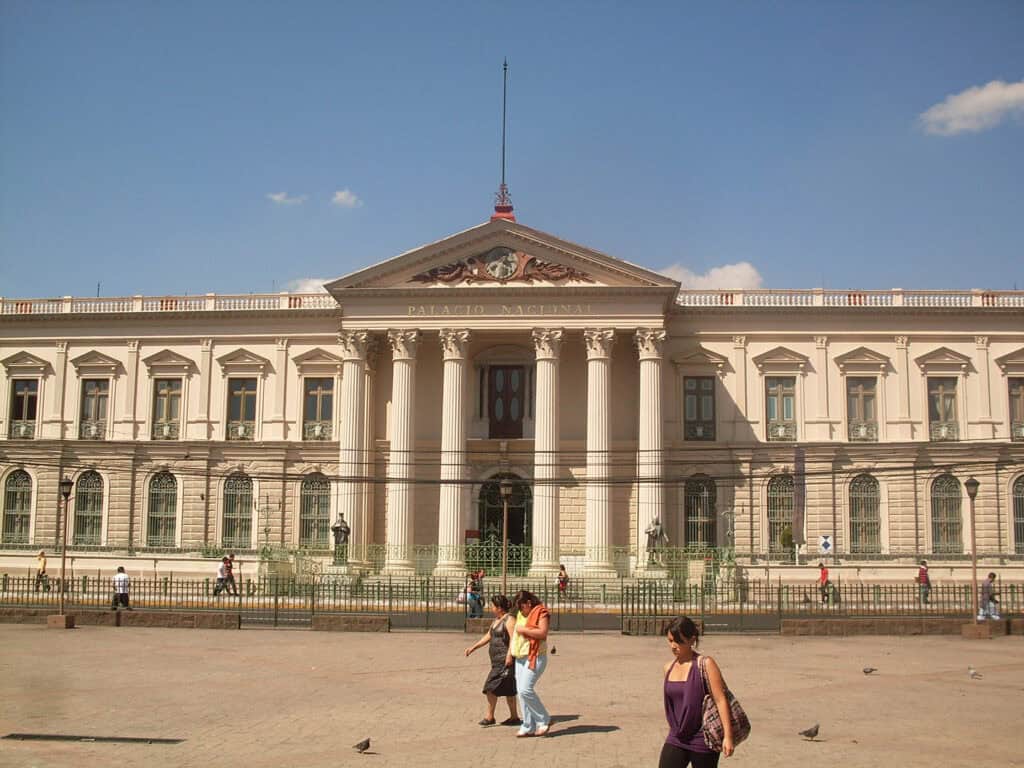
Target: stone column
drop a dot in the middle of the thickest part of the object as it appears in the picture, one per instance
(450, 557)
(904, 429)
(205, 378)
(401, 461)
(741, 413)
(56, 412)
(277, 417)
(598, 556)
(129, 417)
(651, 501)
(985, 369)
(352, 461)
(547, 343)
(362, 530)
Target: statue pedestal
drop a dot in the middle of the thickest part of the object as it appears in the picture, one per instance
(650, 572)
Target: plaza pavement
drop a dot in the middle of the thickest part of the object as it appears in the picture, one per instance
(257, 698)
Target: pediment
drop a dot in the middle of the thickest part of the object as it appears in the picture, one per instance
(243, 361)
(501, 254)
(781, 358)
(1012, 363)
(863, 359)
(317, 359)
(26, 363)
(167, 361)
(702, 357)
(943, 358)
(96, 362)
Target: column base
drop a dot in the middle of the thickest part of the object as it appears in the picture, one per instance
(450, 569)
(398, 569)
(600, 572)
(540, 570)
(57, 621)
(650, 572)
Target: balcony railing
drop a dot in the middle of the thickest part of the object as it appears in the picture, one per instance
(700, 430)
(1017, 431)
(209, 302)
(316, 430)
(166, 430)
(241, 430)
(819, 297)
(22, 430)
(781, 431)
(92, 430)
(862, 432)
(943, 431)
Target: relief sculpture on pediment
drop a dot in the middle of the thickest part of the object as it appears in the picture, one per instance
(501, 265)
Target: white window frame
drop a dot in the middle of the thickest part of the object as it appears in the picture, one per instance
(167, 364)
(243, 364)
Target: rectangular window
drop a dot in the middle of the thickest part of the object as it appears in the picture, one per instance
(93, 422)
(1017, 409)
(166, 409)
(780, 407)
(24, 400)
(241, 409)
(861, 416)
(942, 420)
(318, 408)
(699, 407)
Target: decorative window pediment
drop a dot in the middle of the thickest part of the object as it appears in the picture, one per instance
(703, 358)
(243, 361)
(781, 359)
(95, 363)
(942, 360)
(502, 265)
(862, 360)
(317, 361)
(168, 363)
(25, 364)
(1012, 364)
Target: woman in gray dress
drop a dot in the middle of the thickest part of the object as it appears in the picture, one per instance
(500, 680)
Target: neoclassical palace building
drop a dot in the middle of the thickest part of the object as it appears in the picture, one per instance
(747, 421)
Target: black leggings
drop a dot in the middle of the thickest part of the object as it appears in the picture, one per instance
(674, 757)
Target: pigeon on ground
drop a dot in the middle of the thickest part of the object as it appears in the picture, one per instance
(811, 733)
(973, 673)
(869, 670)
(362, 746)
(553, 650)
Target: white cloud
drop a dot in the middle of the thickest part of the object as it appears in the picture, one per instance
(346, 198)
(283, 198)
(741, 275)
(975, 109)
(306, 285)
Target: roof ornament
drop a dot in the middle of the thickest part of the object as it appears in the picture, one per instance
(503, 200)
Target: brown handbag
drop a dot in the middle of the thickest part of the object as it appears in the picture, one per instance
(711, 722)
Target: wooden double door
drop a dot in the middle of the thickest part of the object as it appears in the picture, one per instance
(506, 393)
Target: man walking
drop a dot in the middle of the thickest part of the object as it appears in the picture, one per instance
(229, 574)
(924, 583)
(989, 607)
(823, 583)
(120, 582)
(222, 576)
(42, 580)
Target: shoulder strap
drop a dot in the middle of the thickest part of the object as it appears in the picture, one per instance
(702, 663)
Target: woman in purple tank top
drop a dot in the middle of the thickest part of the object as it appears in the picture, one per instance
(684, 701)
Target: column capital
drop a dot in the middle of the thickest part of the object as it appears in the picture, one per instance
(206, 344)
(282, 344)
(133, 346)
(901, 341)
(62, 347)
(739, 342)
(404, 342)
(981, 342)
(547, 342)
(599, 342)
(650, 342)
(354, 345)
(821, 342)
(454, 342)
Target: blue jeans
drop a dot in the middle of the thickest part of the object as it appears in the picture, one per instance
(531, 708)
(475, 605)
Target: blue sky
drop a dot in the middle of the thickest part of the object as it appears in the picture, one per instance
(140, 142)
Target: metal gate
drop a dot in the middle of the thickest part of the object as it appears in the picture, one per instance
(280, 603)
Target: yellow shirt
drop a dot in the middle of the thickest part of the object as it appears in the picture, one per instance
(41, 564)
(520, 647)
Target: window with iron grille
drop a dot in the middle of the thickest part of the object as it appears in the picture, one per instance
(315, 512)
(1018, 515)
(942, 421)
(780, 514)
(162, 523)
(88, 531)
(699, 508)
(241, 409)
(24, 401)
(947, 522)
(166, 409)
(1016, 409)
(865, 516)
(861, 416)
(93, 422)
(237, 524)
(17, 507)
(780, 407)
(318, 409)
(699, 407)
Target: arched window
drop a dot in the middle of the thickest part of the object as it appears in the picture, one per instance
(865, 518)
(780, 514)
(163, 511)
(1018, 515)
(699, 509)
(315, 512)
(17, 507)
(237, 527)
(947, 522)
(88, 529)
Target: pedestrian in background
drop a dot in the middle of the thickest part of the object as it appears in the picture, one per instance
(121, 583)
(529, 653)
(42, 580)
(989, 606)
(823, 583)
(229, 574)
(222, 576)
(924, 582)
(563, 580)
(501, 680)
(474, 601)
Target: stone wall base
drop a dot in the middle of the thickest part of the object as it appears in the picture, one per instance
(190, 620)
(337, 622)
(884, 626)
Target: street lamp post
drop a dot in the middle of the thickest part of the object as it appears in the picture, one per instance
(65, 490)
(971, 485)
(505, 486)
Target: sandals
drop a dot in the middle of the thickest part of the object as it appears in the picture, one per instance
(512, 721)
(486, 722)
(543, 730)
